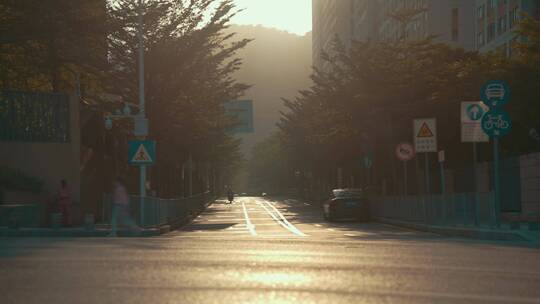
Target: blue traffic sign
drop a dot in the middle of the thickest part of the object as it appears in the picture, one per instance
(241, 114)
(475, 112)
(142, 152)
(495, 94)
(496, 123)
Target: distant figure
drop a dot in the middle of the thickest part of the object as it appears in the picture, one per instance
(120, 208)
(65, 202)
(230, 195)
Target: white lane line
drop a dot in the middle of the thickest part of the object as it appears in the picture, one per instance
(249, 225)
(276, 219)
(284, 222)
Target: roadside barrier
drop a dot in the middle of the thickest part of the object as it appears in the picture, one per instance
(475, 209)
(158, 211)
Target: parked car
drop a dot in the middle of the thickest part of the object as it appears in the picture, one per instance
(347, 204)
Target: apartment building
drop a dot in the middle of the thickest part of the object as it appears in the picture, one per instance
(496, 20)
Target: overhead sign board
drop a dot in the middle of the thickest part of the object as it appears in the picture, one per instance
(425, 135)
(405, 152)
(471, 121)
(241, 112)
(142, 152)
(496, 123)
(495, 93)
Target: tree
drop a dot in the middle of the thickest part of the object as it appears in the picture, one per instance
(44, 44)
(189, 61)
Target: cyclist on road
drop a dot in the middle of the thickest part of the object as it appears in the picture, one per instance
(230, 195)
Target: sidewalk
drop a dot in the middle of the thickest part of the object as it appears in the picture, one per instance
(482, 233)
(99, 231)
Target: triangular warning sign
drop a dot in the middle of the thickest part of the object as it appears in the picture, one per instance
(425, 131)
(142, 155)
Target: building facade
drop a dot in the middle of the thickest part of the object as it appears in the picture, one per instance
(448, 21)
(496, 21)
(331, 18)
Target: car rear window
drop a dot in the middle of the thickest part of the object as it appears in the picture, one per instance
(347, 193)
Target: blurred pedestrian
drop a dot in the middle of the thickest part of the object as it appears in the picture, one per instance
(120, 208)
(65, 202)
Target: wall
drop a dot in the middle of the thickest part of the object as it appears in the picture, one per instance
(50, 162)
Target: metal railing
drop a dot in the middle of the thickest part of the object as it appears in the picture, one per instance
(444, 209)
(158, 211)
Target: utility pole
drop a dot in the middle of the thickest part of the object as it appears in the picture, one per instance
(142, 113)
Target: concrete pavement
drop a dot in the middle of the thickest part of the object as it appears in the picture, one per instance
(260, 251)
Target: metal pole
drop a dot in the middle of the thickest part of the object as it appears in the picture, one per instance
(475, 184)
(405, 179)
(141, 105)
(443, 182)
(497, 202)
(427, 198)
(190, 175)
(426, 169)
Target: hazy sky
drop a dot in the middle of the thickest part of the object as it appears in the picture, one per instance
(290, 15)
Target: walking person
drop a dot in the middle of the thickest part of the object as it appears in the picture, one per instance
(230, 195)
(65, 202)
(120, 208)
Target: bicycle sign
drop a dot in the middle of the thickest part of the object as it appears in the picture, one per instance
(495, 94)
(496, 123)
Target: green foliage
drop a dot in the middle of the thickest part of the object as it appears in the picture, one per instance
(189, 62)
(364, 103)
(44, 43)
(269, 168)
(13, 179)
(190, 58)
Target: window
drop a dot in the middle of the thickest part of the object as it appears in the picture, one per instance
(501, 25)
(491, 32)
(481, 39)
(481, 12)
(513, 18)
(455, 24)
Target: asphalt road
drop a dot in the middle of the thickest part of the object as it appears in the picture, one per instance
(264, 251)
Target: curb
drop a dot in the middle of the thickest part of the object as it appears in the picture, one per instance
(480, 234)
(86, 233)
(77, 233)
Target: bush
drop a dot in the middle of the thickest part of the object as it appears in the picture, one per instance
(14, 179)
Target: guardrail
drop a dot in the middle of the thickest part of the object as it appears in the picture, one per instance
(444, 209)
(158, 211)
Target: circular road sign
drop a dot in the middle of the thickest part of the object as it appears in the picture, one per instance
(496, 123)
(495, 93)
(405, 151)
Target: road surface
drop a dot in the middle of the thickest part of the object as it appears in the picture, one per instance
(265, 251)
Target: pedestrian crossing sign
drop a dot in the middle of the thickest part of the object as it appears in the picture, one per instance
(142, 152)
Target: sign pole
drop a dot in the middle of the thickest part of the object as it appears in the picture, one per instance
(497, 200)
(428, 185)
(443, 182)
(405, 176)
(475, 183)
(142, 180)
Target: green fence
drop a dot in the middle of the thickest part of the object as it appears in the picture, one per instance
(159, 211)
(448, 209)
(34, 117)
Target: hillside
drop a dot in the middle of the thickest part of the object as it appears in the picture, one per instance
(277, 64)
